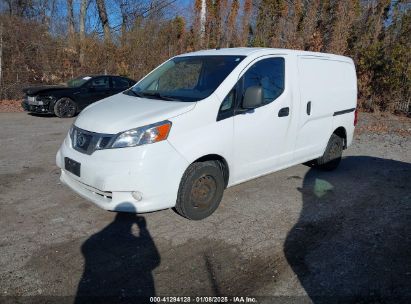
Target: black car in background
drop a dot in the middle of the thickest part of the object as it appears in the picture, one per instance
(68, 100)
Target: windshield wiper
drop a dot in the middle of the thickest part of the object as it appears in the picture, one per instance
(156, 95)
(150, 95)
(132, 92)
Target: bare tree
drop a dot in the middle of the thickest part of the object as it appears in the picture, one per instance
(70, 20)
(245, 23)
(18, 8)
(102, 12)
(231, 23)
(124, 6)
(82, 28)
(203, 17)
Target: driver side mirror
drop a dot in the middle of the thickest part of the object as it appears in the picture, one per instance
(253, 97)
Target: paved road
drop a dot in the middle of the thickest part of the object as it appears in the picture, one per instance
(298, 233)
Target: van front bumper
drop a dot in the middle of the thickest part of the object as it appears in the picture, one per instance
(109, 177)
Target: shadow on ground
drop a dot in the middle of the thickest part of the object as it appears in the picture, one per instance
(352, 241)
(119, 261)
(43, 115)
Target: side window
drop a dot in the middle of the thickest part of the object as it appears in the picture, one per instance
(228, 102)
(120, 83)
(269, 74)
(227, 106)
(100, 83)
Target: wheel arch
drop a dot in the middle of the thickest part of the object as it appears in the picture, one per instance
(341, 132)
(222, 163)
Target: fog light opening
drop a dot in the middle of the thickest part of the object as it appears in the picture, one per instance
(138, 196)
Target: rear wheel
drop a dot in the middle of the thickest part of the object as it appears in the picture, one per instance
(201, 190)
(332, 155)
(65, 108)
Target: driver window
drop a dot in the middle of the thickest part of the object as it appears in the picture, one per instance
(269, 74)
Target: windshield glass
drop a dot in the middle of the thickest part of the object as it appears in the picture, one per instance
(78, 82)
(190, 78)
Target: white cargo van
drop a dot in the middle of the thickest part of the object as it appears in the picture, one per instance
(207, 120)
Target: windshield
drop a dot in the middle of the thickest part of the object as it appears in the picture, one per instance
(190, 78)
(78, 82)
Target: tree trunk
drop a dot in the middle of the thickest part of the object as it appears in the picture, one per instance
(70, 21)
(101, 6)
(230, 32)
(83, 12)
(245, 24)
(203, 18)
(124, 21)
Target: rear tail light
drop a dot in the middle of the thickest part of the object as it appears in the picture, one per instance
(355, 117)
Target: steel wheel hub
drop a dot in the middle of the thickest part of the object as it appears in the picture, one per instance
(203, 192)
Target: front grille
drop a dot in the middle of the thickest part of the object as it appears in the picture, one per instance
(87, 142)
(104, 141)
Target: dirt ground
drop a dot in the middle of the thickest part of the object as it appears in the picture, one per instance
(294, 236)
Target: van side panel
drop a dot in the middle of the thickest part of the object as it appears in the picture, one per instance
(327, 85)
(350, 90)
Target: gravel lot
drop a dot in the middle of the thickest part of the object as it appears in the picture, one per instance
(298, 233)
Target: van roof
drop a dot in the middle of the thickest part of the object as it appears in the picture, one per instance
(247, 51)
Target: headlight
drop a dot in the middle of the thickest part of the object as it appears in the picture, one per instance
(144, 135)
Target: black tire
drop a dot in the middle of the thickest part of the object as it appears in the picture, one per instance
(332, 155)
(201, 190)
(65, 108)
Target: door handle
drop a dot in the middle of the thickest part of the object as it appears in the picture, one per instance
(309, 108)
(284, 112)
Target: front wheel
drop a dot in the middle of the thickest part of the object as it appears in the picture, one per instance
(201, 190)
(65, 108)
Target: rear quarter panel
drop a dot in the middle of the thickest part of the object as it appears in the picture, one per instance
(349, 102)
(330, 84)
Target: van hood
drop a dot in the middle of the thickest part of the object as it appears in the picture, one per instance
(122, 112)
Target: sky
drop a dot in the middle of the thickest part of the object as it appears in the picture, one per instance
(179, 7)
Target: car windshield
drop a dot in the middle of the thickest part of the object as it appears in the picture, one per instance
(189, 78)
(78, 82)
